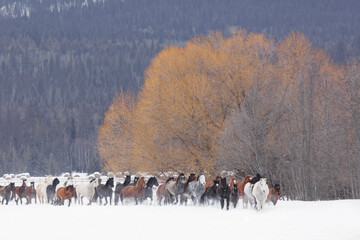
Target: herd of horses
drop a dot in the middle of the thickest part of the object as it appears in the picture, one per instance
(175, 190)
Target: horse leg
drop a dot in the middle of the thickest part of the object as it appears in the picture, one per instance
(69, 202)
(222, 203)
(136, 201)
(116, 200)
(227, 203)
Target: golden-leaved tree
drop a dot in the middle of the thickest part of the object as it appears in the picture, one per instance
(243, 103)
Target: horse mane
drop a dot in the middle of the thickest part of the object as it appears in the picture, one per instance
(170, 179)
(108, 182)
(55, 182)
(151, 179)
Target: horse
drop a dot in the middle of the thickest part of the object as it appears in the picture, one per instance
(210, 193)
(86, 190)
(274, 194)
(161, 191)
(50, 190)
(196, 188)
(241, 185)
(119, 187)
(218, 178)
(19, 192)
(256, 193)
(105, 191)
(232, 182)
(41, 190)
(136, 179)
(148, 188)
(234, 195)
(30, 193)
(65, 193)
(136, 192)
(176, 188)
(6, 192)
(223, 192)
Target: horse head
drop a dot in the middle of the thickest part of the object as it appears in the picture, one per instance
(127, 180)
(151, 182)
(263, 184)
(55, 182)
(70, 188)
(191, 178)
(181, 179)
(201, 179)
(223, 181)
(12, 185)
(110, 182)
(141, 182)
(235, 187)
(216, 183)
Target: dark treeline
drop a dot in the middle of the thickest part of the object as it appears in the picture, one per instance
(62, 62)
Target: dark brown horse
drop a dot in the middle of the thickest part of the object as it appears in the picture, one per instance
(64, 193)
(135, 192)
(210, 184)
(274, 194)
(19, 192)
(5, 192)
(30, 193)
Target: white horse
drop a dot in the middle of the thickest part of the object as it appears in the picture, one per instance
(196, 188)
(41, 190)
(86, 190)
(256, 193)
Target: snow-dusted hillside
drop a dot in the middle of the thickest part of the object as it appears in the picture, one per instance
(288, 220)
(20, 8)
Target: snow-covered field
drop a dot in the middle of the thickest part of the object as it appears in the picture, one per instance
(287, 220)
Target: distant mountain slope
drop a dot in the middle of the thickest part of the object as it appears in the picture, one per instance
(62, 62)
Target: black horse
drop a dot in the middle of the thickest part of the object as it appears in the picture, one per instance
(223, 192)
(234, 195)
(149, 185)
(7, 193)
(50, 191)
(210, 193)
(119, 187)
(105, 190)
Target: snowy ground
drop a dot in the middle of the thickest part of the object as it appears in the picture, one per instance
(288, 220)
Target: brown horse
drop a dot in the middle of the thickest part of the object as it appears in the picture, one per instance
(210, 184)
(161, 192)
(30, 193)
(232, 182)
(274, 194)
(19, 192)
(241, 185)
(64, 193)
(135, 192)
